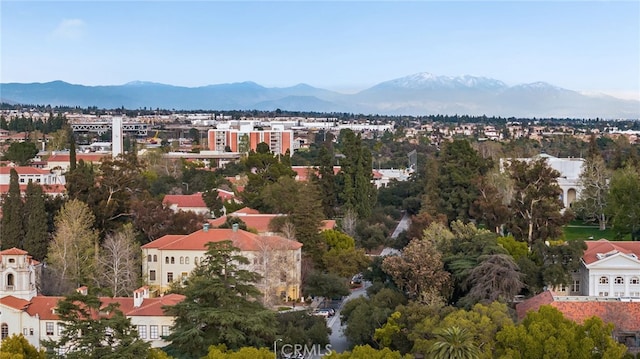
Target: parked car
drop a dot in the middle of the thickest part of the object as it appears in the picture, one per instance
(322, 313)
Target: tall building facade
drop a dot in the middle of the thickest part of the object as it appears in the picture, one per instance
(247, 137)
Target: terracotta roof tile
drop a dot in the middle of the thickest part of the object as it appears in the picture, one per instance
(604, 246)
(625, 315)
(13, 251)
(23, 170)
(164, 240)
(185, 200)
(245, 241)
(13, 302)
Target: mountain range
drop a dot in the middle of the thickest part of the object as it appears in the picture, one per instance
(418, 94)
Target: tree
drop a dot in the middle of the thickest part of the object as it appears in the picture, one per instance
(547, 334)
(221, 306)
(72, 251)
(594, 180)
(213, 202)
(418, 271)
(536, 205)
(497, 277)
(623, 202)
(300, 327)
(325, 285)
(357, 192)
(345, 262)
(12, 231)
(119, 262)
(459, 167)
(21, 153)
(326, 180)
(86, 333)
(454, 343)
(18, 347)
(491, 206)
(221, 352)
(36, 239)
(367, 352)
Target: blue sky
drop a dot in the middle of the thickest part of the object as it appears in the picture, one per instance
(591, 46)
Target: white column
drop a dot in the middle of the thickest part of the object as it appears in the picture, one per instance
(611, 286)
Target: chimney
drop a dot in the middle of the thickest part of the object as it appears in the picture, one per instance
(205, 227)
(235, 227)
(139, 295)
(83, 290)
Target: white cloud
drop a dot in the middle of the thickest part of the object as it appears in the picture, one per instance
(69, 29)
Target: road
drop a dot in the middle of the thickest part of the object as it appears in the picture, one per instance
(337, 339)
(403, 225)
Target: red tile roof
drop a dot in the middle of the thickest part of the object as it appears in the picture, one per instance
(247, 210)
(44, 306)
(185, 200)
(225, 195)
(24, 170)
(13, 302)
(625, 315)
(604, 246)
(245, 241)
(259, 222)
(162, 241)
(87, 157)
(13, 251)
(46, 188)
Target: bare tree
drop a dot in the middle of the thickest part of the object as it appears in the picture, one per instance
(71, 255)
(275, 260)
(119, 262)
(497, 277)
(349, 222)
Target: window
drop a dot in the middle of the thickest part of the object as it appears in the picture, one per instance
(604, 280)
(49, 327)
(561, 288)
(181, 260)
(155, 258)
(618, 294)
(635, 280)
(142, 331)
(25, 331)
(30, 331)
(603, 294)
(4, 331)
(149, 258)
(283, 276)
(165, 330)
(60, 327)
(576, 286)
(152, 275)
(186, 260)
(195, 260)
(10, 280)
(166, 260)
(153, 332)
(173, 260)
(12, 260)
(170, 277)
(635, 294)
(21, 180)
(619, 280)
(184, 276)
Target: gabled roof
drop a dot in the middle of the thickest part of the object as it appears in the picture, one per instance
(601, 249)
(185, 200)
(162, 241)
(14, 302)
(23, 170)
(13, 251)
(625, 315)
(245, 241)
(44, 306)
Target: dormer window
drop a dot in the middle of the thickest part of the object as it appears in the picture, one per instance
(12, 260)
(604, 280)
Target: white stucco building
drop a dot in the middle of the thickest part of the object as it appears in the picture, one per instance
(276, 259)
(569, 169)
(23, 311)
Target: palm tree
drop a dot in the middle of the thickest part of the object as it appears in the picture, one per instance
(454, 343)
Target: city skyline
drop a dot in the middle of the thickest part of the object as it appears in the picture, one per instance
(592, 47)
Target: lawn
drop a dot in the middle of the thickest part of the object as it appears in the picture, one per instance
(579, 230)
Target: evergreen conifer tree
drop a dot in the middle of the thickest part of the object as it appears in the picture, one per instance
(36, 239)
(12, 231)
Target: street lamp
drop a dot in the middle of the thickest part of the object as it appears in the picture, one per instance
(275, 348)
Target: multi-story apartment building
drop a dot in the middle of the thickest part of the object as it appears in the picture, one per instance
(246, 137)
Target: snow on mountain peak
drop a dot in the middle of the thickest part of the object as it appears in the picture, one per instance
(426, 80)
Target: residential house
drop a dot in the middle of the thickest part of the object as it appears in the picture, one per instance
(23, 311)
(276, 259)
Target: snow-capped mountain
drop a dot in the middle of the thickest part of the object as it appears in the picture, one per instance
(417, 94)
